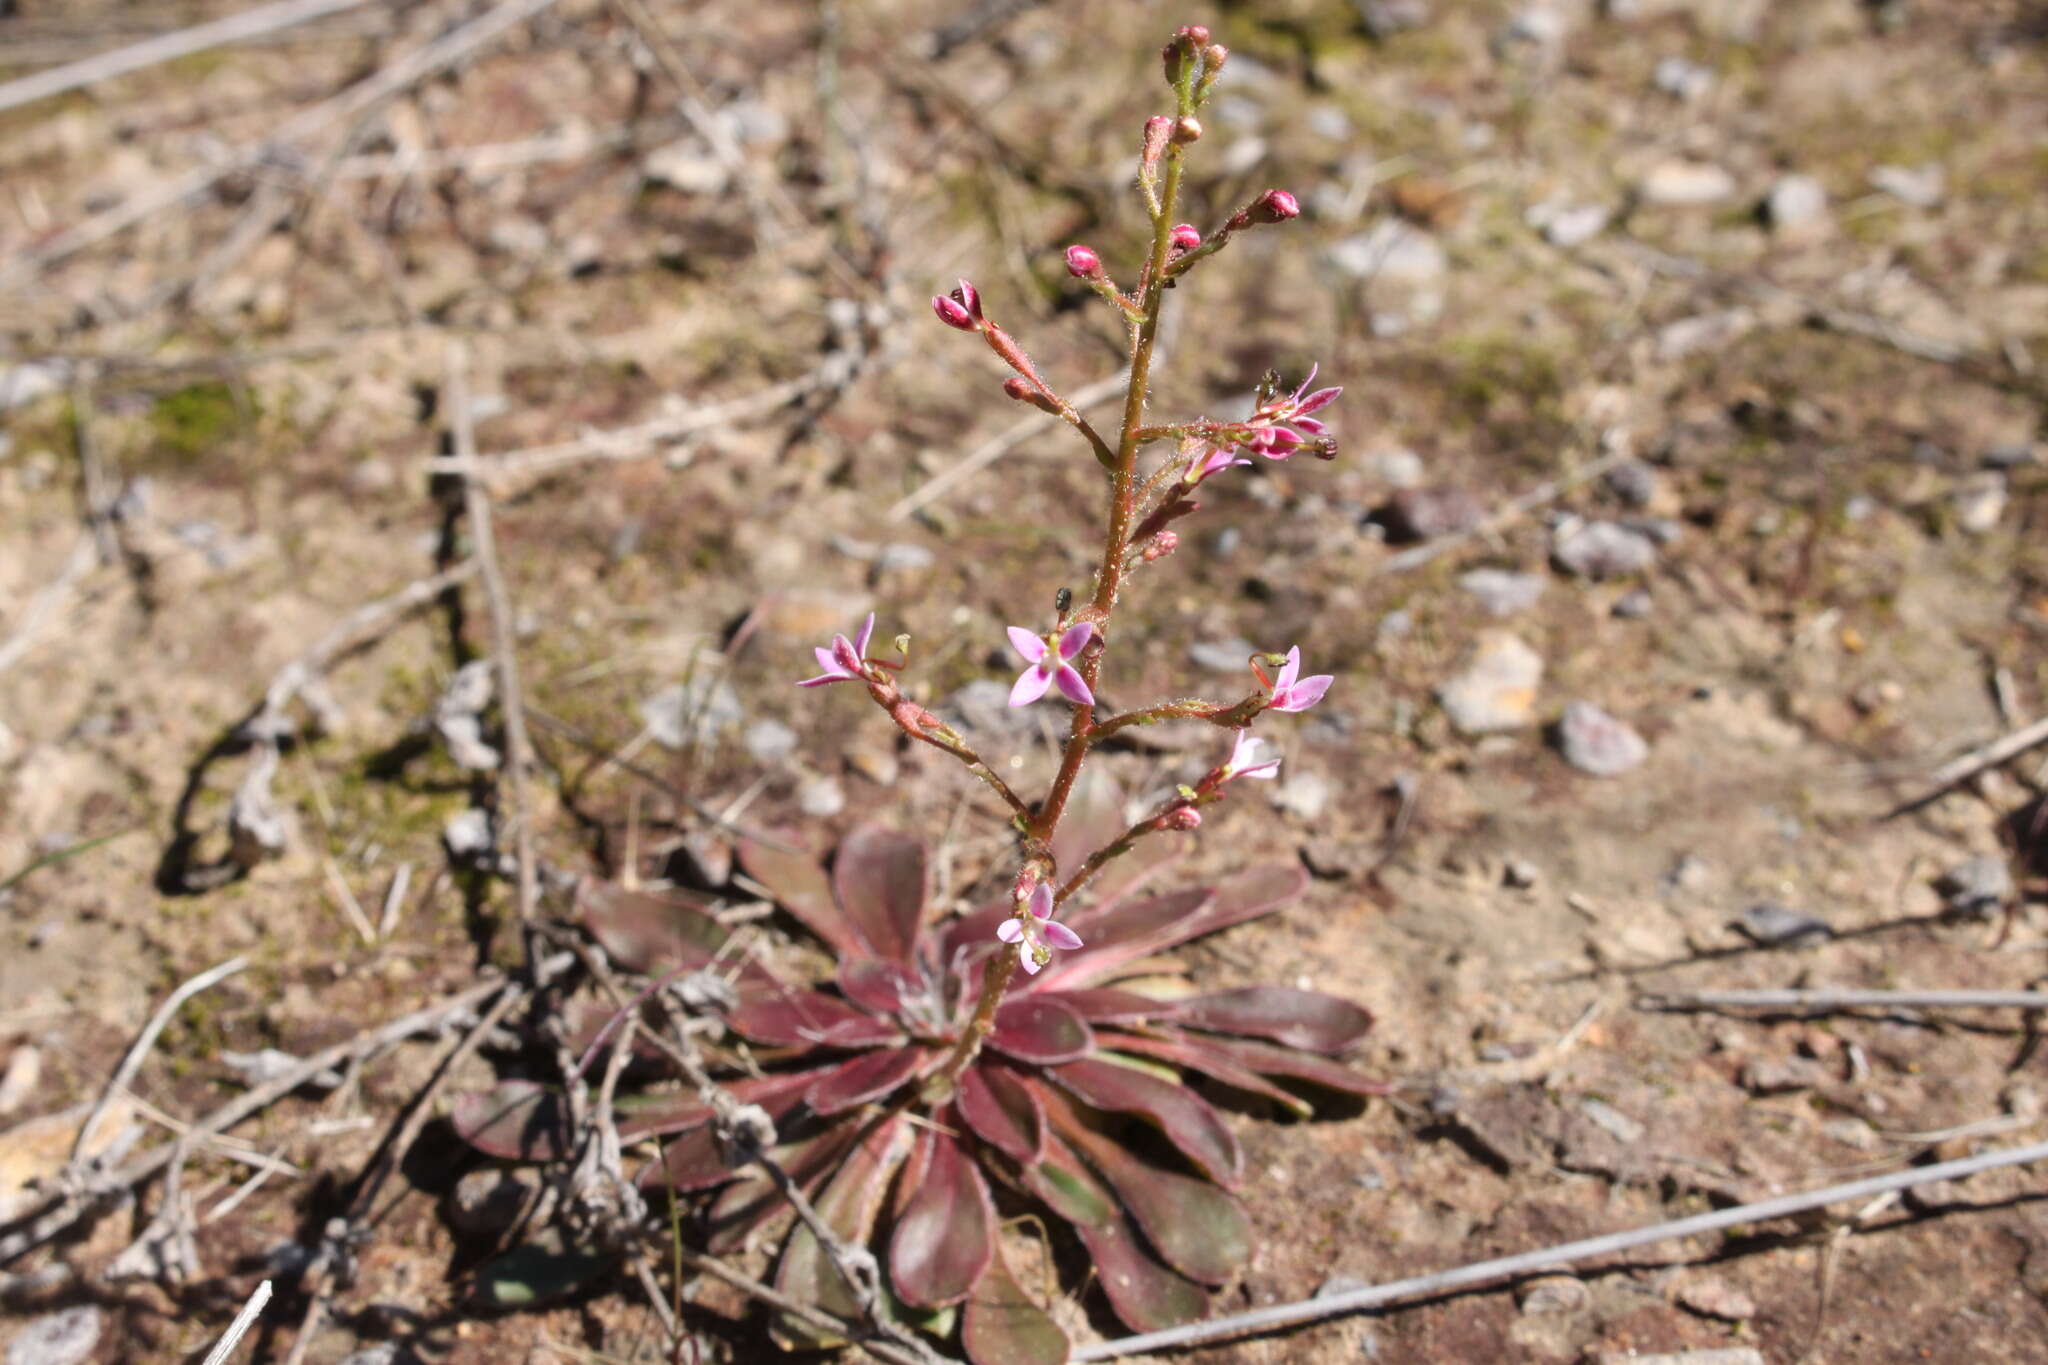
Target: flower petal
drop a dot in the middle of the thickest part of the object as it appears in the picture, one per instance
(1009, 931)
(1262, 771)
(822, 679)
(860, 641)
(1309, 691)
(1028, 960)
(1058, 935)
(1076, 639)
(1317, 401)
(1074, 686)
(1041, 901)
(825, 661)
(1031, 685)
(1288, 674)
(1313, 426)
(1027, 644)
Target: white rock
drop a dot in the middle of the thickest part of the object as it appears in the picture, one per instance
(1496, 689)
(1681, 79)
(1568, 225)
(1980, 501)
(686, 168)
(1397, 468)
(821, 797)
(65, 1337)
(691, 712)
(1795, 201)
(1922, 187)
(24, 384)
(769, 740)
(1501, 592)
(1305, 795)
(1685, 184)
(1594, 742)
(1601, 549)
(1707, 332)
(1402, 269)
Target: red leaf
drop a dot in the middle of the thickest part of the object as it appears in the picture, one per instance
(877, 986)
(1268, 1060)
(848, 1207)
(791, 1018)
(1130, 930)
(1002, 1111)
(946, 1236)
(1185, 1117)
(869, 1076)
(800, 887)
(880, 877)
(647, 933)
(1196, 1228)
(1032, 1028)
(678, 1113)
(1001, 1326)
(1107, 1005)
(754, 1200)
(694, 1161)
(1146, 1295)
(514, 1120)
(1303, 1019)
(1190, 1053)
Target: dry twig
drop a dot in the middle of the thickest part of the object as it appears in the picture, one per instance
(244, 1320)
(132, 1062)
(1823, 1001)
(1960, 770)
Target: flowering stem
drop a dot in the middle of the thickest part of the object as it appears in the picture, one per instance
(1186, 708)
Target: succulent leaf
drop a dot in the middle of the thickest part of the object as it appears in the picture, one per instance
(1002, 1326)
(879, 875)
(945, 1238)
(1002, 1110)
(1185, 1117)
(1295, 1018)
(513, 1120)
(1035, 1028)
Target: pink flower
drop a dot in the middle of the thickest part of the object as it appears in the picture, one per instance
(1082, 262)
(1246, 760)
(1185, 237)
(1216, 461)
(842, 659)
(961, 308)
(1049, 931)
(1292, 695)
(1280, 422)
(1052, 665)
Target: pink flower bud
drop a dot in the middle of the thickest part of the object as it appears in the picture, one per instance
(1170, 58)
(1195, 35)
(952, 313)
(1185, 237)
(968, 297)
(1275, 206)
(1183, 817)
(1161, 545)
(1186, 130)
(1214, 58)
(1158, 129)
(1083, 263)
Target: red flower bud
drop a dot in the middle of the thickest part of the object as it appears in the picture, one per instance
(1186, 129)
(1083, 263)
(952, 313)
(1275, 206)
(1213, 60)
(1196, 35)
(1024, 393)
(1185, 237)
(1183, 817)
(1161, 545)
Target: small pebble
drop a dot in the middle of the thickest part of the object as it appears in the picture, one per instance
(1566, 225)
(1682, 80)
(65, 1337)
(487, 1202)
(1602, 549)
(1685, 184)
(1612, 1121)
(1634, 482)
(1520, 874)
(1922, 187)
(1305, 795)
(1713, 1297)
(1634, 605)
(691, 712)
(820, 797)
(1496, 690)
(1976, 886)
(1795, 202)
(1772, 925)
(1764, 1076)
(769, 740)
(1395, 625)
(1222, 656)
(1703, 332)
(1980, 501)
(1415, 514)
(1689, 873)
(1502, 593)
(1397, 468)
(1594, 742)
(2013, 455)
(1552, 1294)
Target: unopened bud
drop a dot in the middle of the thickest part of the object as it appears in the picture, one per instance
(1323, 447)
(1158, 130)
(952, 313)
(1275, 206)
(1161, 545)
(1195, 35)
(1183, 817)
(1214, 58)
(1186, 129)
(1083, 263)
(1185, 237)
(1024, 393)
(968, 297)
